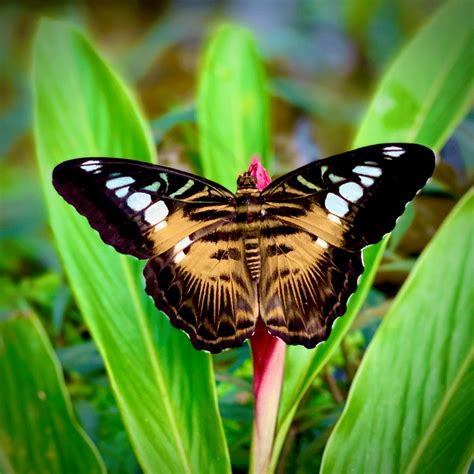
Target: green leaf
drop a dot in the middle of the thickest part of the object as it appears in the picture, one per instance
(410, 406)
(164, 388)
(232, 108)
(441, 88)
(426, 92)
(38, 432)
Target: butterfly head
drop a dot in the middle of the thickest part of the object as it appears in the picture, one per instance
(245, 181)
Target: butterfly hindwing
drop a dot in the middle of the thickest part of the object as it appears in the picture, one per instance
(353, 199)
(139, 208)
(205, 288)
(305, 283)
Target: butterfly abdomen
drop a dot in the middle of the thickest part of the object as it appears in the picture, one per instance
(252, 257)
(248, 213)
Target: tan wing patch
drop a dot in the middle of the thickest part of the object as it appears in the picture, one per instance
(205, 289)
(182, 223)
(315, 220)
(305, 283)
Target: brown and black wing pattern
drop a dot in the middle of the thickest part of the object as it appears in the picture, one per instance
(353, 199)
(205, 288)
(318, 219)
(314, 223)
(182, 223)
(305, 283)
(141, 209)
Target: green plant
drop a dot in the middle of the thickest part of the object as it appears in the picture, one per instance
(165, 390)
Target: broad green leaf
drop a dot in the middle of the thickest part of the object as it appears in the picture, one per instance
(426, 92)
(164, 388)
(441, 88)
(232, 107)
(38, 431)
(410, 406)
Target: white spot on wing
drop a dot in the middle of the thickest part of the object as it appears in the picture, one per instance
(156, 213)
(122, 192)
(351, 191)
(336, 205)
(160, 225)
(182, 244)
(179, 257)
(334, 218)
(322, 243)
(119, 182)
(368, 170)
(91, 165)
(138, 201)
(393, 151)
(366, 181)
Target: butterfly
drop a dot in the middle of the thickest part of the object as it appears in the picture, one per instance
(219, 261)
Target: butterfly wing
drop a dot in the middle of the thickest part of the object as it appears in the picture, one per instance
(305, 283)
(319, 217)
(353, 199)
(205, 289)
(142, 209)
(185, 226)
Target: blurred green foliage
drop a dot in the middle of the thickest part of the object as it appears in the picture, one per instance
(324, 60)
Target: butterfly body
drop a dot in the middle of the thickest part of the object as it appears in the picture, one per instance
(249, 218)
(218, 261)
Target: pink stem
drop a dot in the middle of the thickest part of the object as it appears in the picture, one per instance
(268, 354)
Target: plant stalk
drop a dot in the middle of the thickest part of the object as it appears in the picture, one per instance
(268, 355)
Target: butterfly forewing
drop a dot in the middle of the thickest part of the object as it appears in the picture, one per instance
(353, 199)
(138, 208)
